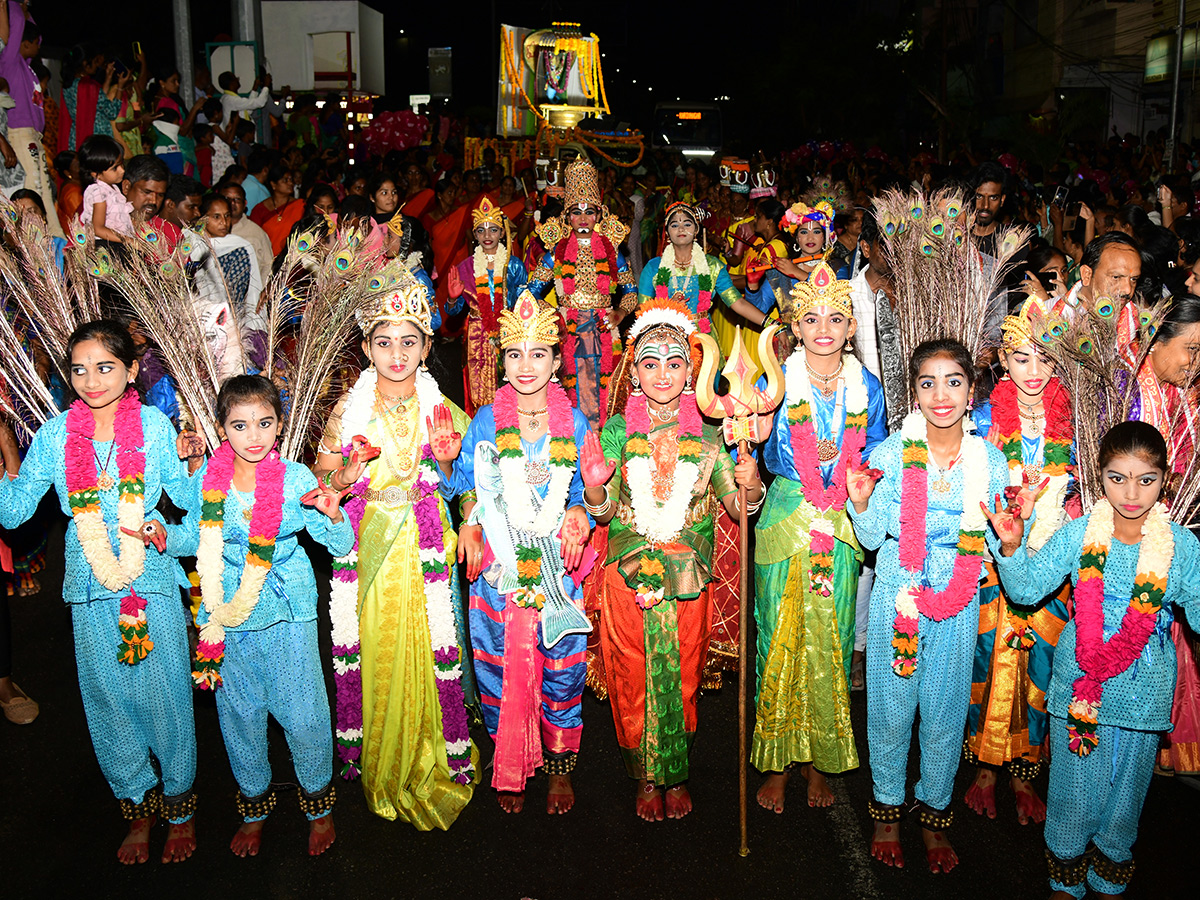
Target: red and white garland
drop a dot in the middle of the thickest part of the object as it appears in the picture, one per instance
(489, 296)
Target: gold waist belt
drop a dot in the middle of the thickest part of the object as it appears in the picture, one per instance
(580, 300)
(394, 495)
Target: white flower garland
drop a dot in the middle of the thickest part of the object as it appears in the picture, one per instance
(499, 264)
(659, 524)
(798, 387)
(518, 492)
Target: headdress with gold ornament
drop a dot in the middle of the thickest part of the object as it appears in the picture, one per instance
(408, 302)
(823, 288)
(1018, 331)
(488, 213)
(529, 322)
(822, 214)
(396, 224)
(826, 190)
(582, 185)
(657, 322)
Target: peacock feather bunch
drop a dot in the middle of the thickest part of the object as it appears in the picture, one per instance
(944, 288)
(835, 193)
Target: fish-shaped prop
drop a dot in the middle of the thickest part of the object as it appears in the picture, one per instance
(559, 615)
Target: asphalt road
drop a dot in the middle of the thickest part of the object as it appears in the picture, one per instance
(60, 827)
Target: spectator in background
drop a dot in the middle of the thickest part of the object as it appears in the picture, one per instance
(181, 205)
(12, 176)
(989, 193)
(145, 185)
(255, 180)
(1110, 267)
(232, 102)
(1176, 199)
(280, 211)
(22, 41)
(70, 191)
(247, 230)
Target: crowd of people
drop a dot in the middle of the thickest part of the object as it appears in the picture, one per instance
(565, 512)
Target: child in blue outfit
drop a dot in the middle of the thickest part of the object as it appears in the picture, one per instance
(258, 620)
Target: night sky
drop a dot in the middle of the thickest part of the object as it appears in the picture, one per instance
(793, 71)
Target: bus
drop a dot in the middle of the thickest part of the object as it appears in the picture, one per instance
(693, 128)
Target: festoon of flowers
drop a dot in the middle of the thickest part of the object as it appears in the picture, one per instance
(704, 282)
(265, 518)
(659, 523)
(83, 497)
(916, 598)
(1049, 511)
(490, 294)
(518, 493)
(803, 438)
(602, 262)
(343, 604)
(1100, 660)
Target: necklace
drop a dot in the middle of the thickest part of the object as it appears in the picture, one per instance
(532, 415)
(104, 481)
(941, 484)
(400, 464)
(824, 387)
(665, 415)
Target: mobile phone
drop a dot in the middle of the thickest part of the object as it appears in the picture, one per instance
(119, 68)
(1046, 278)
(1060, 197)
(1071, 216)
(137, 49)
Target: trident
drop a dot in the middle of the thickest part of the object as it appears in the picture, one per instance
(740, 408)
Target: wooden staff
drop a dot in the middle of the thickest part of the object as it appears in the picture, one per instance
(740, 407)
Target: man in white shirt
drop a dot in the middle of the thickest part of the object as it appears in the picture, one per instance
(232, 102)
(247, 230)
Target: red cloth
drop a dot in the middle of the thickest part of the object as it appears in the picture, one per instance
(419, 203)
(87, 95)
(70, 201)
(172, 233)
(277, 223)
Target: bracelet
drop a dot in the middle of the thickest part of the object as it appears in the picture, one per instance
(602, 508)
(327, 479)
(751, 508)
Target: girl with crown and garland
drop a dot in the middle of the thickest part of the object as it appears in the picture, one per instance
(1114, 674)
(656, 474)
(1028, 416)
(807, 559)
(489, 280)
(110, 458)
(258, 620)
(925, 519)
(398, 628)
(524, 544)
(593, 283)
(770, 276)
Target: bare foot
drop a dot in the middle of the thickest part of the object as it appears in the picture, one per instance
(320, 835)
(885, 844)
(981, 795)
(1030, 807)
(181, 842)
(858, 670)
(649, 804)
(679, 802)
(770, 795)
(136, 846)
(819, 792)
(247, 840)
(561, 797)
(511, 801)
(938, 852)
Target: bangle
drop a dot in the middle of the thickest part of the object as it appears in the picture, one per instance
(602, 508)
(327, 479)
(751, 508)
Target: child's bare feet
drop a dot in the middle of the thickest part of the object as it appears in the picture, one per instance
(320, 835)
(511, 801)
(938, 852)
(181, 842)
(561, 797)
(679, 802)
(247, 839)
(770, 795)
(981, 795)
(136, 846)
(885, 844)
(649, 803)
(1030, 807)
(819, 792)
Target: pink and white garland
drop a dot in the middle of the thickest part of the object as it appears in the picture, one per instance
(439, 605)
(917, 599)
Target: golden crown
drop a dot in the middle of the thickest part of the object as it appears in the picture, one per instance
(528, 322)
(1017, 331)
(823, 288)
(487, 213)
(583, 185)
(409, 302)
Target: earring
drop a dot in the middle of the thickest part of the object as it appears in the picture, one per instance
(554, 378)
(687, 388)
(970, 404)
(637, 386)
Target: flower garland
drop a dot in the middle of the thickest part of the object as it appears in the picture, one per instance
(609, 350)
(1056, 455)
(704, 281)
(1100, 660)
(83, 497)
(343, 603)
(518, 495)
(490, 300)
(916, 599)
(265, 518)
(659, 523)
(798, 396)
